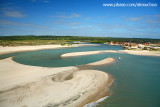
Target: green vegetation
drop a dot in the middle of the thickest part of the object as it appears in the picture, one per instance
(134, 49)
(97, 41)
(155, 50)
(46, 40)
(145, 48)
(30, 42)
(66, 44)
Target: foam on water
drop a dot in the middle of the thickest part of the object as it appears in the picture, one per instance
(93, 104)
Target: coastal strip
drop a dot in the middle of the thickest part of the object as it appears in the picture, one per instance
(69, 88)
(142, 53)
(11, 49)
(5, 50)
(132, 52)
(24, 85)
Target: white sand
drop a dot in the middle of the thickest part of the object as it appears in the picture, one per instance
(12, 73)
(102, 62)
(32, 86)
(133, 52)
(144, 52)
(10, 49)
(67, 93)
(87, 53)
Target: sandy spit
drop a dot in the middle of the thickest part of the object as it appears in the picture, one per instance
(10, 49)
(87, 53)
(31, 86)
(102, 62)
(133, 52)
(143, 52)
(13, 73)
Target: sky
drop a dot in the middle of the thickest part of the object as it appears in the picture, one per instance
(80, 18)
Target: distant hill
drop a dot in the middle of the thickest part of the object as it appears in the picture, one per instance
(72, 38)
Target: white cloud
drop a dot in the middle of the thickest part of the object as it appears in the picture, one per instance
(87, 18)
(147, 20)
(12, 23)
(15, 14)
(11, 12)
(69, 16)
(158, 15)
(134, 19)
(66, 23)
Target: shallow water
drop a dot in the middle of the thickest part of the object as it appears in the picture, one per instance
(137, 78)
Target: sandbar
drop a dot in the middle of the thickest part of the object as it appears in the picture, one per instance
(30, 86)
(87, 53)
(102, 62)
(132, 52)
(69, 88)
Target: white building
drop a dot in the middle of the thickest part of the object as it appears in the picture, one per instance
(141, 46)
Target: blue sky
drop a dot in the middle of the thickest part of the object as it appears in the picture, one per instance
(79, 18)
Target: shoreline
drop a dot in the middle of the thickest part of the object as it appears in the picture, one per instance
(12, 49)
(132, 52)
(43, 86)
(73, 54)
(24, 83)
(142, 53)
(101, 62)
(104, 94)
(6, 50)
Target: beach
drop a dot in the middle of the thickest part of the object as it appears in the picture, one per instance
(133, 52)
(10, 49)
(30, 86)
(4, 50)
(143, 52)
(79, 53)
